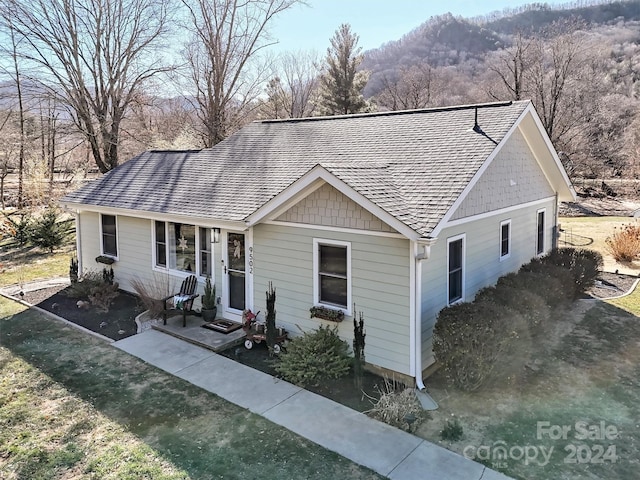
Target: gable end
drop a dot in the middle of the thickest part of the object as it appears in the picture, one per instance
(513, 178)
(329, 207)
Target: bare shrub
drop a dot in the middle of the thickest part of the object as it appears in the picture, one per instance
(152, 291)
(395, 404)
(85, 285)
(103, 296)
(624, 244)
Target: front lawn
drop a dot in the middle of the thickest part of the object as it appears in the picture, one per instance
(71, 406)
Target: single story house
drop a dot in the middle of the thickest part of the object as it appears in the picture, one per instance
(400, 213)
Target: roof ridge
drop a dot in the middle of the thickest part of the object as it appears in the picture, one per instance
(450, 108)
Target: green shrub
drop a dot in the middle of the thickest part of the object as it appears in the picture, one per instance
(452, 431)
(529, 305)
(468, 339)
(19, 226)
(550, 282)
(101, 297)
(584, 266)
(47, 232)
(314, 356)
(85, 285)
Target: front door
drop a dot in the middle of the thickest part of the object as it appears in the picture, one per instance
(234, 269)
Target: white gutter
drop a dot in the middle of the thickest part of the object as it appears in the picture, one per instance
(416, 318)
(76, 214)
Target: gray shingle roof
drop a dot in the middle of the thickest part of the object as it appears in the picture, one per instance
(413, 164)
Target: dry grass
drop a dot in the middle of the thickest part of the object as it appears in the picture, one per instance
(395, 404)
(592, 233)
(72, 406)
(624, 243)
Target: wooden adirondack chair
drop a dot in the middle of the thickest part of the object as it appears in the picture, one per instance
(183, 300)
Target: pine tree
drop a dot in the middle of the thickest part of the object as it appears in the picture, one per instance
(342, 84)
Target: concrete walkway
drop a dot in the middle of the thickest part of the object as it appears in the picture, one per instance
(389, 451)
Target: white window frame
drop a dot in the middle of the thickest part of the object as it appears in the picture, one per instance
(451, 240)
(317, 242)
(102, 252)
(540, 246)
(198, 250)
(504, 256)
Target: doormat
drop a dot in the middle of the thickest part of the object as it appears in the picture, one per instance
(224, 326)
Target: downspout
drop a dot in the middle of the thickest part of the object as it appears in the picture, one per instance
(76, 214)
(556, 229)
(419, 257)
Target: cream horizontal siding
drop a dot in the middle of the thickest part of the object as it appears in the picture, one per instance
(482, 266)
(135, 254)
(380, 286)
(89, 231)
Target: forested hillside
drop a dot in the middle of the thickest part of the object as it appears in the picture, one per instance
(579, 64)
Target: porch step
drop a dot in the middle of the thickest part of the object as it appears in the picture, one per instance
(203, 337)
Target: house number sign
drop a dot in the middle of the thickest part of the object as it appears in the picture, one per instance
(251, 260)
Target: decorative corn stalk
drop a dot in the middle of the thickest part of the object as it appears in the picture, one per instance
(358, 347)
(271, 332)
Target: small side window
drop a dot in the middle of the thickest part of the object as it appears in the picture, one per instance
(455, 264)
(108, 227)
(505, 239)
(540, 235)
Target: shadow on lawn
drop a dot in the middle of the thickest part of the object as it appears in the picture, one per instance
(195, 430)
(588, 381)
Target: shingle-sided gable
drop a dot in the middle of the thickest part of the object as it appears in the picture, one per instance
(413, 165)
(331, 208)
(514, 177)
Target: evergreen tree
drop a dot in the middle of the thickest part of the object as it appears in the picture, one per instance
(342, 84)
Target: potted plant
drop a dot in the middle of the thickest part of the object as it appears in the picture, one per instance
(209, 308)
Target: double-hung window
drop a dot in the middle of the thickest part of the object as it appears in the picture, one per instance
(182, 247)
(505, 239)
(540, 232)
(455, 264)
(108, 232)
(332, 274)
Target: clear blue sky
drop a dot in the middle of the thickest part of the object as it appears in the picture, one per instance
(376, 21)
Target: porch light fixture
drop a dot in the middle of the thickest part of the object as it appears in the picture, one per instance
(216, 235)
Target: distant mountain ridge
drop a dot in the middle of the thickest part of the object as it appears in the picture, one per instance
(447, 40)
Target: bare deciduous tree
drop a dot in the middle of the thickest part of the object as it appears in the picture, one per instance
(291, 92)
(410, 90)
(510, 66)
(555, 64)
(223, 59)
(92, 56)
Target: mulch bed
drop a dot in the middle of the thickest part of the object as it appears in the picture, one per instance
(611, 285)
(341, 390)
(117, 323)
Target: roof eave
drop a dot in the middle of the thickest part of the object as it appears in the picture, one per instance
(307, 184)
